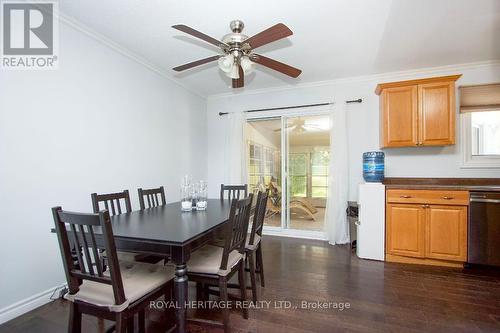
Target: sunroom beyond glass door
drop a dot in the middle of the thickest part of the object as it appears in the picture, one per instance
(263, 138)
(293, 151)
(307, 149)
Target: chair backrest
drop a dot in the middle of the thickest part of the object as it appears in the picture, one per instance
(237, 228)
(233, 191)
(258, 216)
(112, 202)
(76, 231)
(153, 196)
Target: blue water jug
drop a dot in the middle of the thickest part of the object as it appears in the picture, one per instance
(373, 166)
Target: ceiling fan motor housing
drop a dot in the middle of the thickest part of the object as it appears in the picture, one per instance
(236, 37)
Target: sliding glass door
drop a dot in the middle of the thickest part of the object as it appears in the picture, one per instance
(307, 153)
(288, 156)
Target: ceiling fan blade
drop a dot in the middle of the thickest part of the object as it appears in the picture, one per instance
(269, 35)
(239, 83)
(276, 65)
(200, 35)
(195, 63)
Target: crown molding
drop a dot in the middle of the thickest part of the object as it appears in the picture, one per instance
(79, 26)
(397, 75)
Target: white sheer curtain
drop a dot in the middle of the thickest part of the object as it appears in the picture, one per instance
(235, 149)
(336, 225)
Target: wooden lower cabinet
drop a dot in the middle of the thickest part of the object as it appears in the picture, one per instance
(426, 233)
(446, 233)
(405, 230)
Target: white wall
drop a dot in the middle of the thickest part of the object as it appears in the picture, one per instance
(363, 128)
(100, 123)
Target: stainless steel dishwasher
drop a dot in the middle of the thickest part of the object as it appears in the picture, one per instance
(484, 228)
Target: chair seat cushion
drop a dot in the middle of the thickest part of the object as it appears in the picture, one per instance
(207, 260)
(138, 280)
(253, 246)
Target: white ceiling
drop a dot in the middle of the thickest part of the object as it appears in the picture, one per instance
(332, 38)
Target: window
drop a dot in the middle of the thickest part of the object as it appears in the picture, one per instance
(485, 133)
(254, 166)
(480, 115)
(481, 133)
(309, 174)
(319, 174)
(269, 165)
(298, 174)
(262, 166)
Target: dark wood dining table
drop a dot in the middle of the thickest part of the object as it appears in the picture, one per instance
(166, 230)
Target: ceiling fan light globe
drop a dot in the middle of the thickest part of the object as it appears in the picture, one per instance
(226, 63)
(246, 64)
(234, 73)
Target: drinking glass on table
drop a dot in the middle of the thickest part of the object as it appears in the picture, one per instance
(201, 202)
(186, 199)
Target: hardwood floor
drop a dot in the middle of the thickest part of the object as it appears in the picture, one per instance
(383, 297)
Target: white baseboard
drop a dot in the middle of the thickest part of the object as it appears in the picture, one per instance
(19, 308)
(306, 234)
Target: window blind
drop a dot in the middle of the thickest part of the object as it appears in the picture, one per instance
(483, 97)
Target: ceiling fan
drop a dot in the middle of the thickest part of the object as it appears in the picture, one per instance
(299, 126)
(238, 51)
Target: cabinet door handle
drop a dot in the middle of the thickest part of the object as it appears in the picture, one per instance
(425, 206)
(447, 198)
(405, 196)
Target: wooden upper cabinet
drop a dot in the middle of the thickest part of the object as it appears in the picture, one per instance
(437, 113)
(417, 112)
(399, 119)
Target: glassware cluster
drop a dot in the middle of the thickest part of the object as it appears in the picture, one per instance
(193, 195)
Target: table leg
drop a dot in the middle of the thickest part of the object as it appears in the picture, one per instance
(181, 294)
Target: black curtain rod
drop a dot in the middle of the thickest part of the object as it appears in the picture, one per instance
(359, 100)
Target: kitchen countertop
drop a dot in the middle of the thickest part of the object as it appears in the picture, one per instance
(450, 184)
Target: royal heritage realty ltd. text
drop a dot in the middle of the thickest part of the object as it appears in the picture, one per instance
(303, 305)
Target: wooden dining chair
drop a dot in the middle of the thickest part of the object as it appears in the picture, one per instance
(116, 294)
(154, 197)
(119, 203)
(253, 244)
(233, 191)
(149, 198)
(112, 202)
(213, 265)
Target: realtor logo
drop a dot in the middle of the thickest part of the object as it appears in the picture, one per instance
(29, 35)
